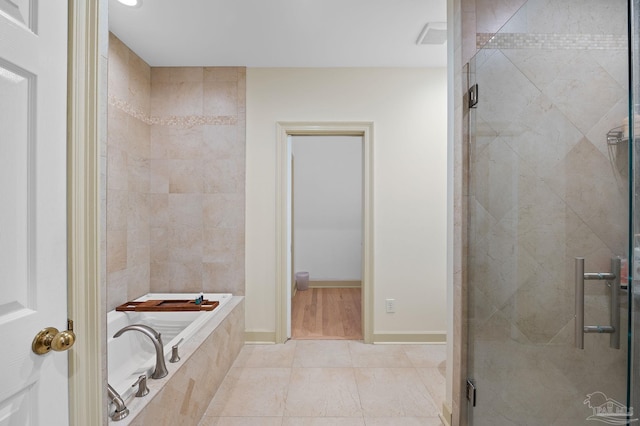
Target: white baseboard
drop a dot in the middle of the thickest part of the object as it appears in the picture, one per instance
(438, 338)
(336, 284)
(260, 337)
(445, 416)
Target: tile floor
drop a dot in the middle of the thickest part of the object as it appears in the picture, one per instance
(331, 382)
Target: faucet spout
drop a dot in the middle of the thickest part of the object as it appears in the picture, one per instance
(121, 410)
(161, 368)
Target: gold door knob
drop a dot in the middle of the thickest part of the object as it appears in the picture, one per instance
(63, 340)
(50, 338)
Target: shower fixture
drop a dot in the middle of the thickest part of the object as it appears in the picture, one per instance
(616, 136)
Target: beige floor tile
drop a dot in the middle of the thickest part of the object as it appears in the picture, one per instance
(272, 356)
(322, 353)
(366, 355)
(322, 392)
(435, 381)
(426, 355)
(394, 392)
(251, 392)
(322, 389)
(323, 421)
(402, 421)
(241, 421)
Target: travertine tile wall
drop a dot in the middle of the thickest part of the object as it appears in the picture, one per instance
(197, 165)
(482, 17)
(127, 175)
(175, 178)
(460, 15)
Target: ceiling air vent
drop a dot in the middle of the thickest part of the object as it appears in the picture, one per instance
(433, 33)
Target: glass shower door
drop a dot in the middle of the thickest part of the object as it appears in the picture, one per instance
(549, 183)
(634, 128)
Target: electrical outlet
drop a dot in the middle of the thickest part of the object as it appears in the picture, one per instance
(391, 305)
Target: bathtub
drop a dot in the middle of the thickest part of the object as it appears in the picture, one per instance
(133, 354)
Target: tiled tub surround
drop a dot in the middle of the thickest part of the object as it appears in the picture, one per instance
(182, 397)
(175, 178)
(133, 354)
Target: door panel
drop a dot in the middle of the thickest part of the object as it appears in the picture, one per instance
(22, 12)
(15, 174)
(33, 214)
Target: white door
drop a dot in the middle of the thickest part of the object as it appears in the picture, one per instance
(33, 252)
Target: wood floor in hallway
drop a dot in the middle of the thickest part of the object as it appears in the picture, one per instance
(327, 313)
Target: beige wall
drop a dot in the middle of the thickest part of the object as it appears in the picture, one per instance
(174, 177)
(166, 232)
(408, 109)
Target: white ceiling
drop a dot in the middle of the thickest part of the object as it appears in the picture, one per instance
(280, 33)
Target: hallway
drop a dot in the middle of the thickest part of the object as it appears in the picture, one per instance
(327, 313)
(323, 382)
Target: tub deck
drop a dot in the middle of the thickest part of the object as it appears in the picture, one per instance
(224, 325)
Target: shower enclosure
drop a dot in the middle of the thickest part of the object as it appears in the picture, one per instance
(551, 190)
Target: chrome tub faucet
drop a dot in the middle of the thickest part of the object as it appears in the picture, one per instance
(121, 410)
(161, 368)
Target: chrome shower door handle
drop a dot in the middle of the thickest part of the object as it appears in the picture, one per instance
(613, 278)
(616, 269)
(579, 312)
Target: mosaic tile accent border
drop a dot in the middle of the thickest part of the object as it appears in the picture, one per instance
(183, 121)
(551, 41)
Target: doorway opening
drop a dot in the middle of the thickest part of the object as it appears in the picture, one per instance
(285, 221)
(326, 237)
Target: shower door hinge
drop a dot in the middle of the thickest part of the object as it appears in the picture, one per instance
(471, 392)
(473, 96)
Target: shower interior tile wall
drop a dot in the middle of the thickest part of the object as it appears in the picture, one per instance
(539, 127)
(483, 16)
(175, 178)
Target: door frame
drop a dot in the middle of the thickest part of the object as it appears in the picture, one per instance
(283, 216)
(84, 290)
